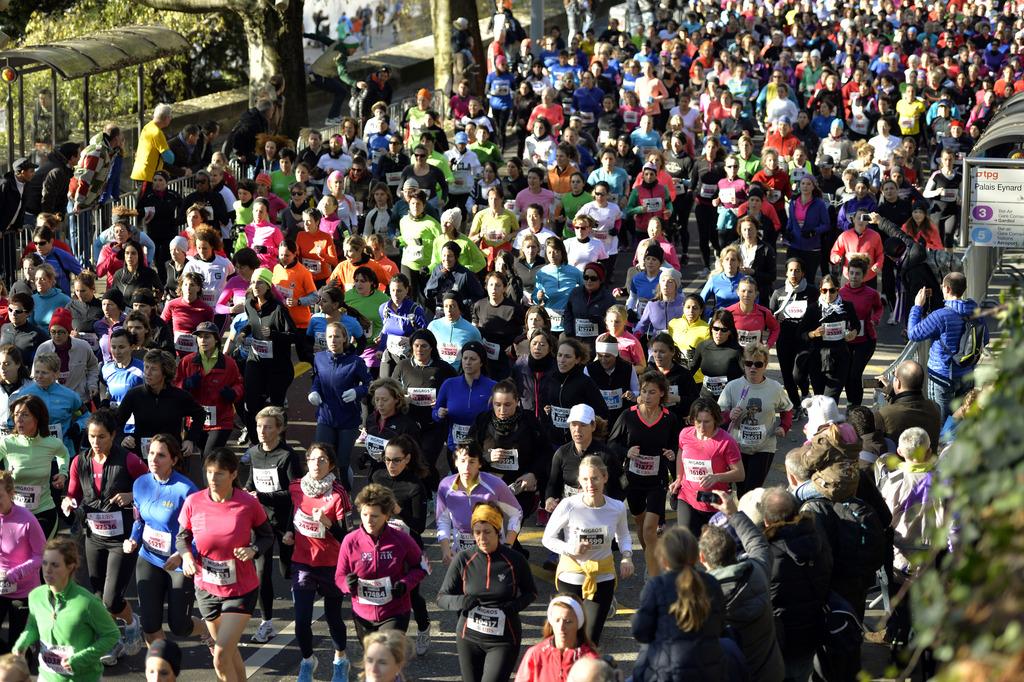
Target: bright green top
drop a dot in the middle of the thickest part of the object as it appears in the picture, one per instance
(29, 460)
(471, 258)
(571, 204)
(281, 185)
(749, 167)
(438, 160)
(486, 152)
(73, 618)
(369, 307)
(243, 214)
(416, 256)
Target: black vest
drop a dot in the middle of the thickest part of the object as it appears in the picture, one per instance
(116, 479)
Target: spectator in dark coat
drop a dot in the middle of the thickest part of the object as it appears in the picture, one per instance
(907, 404)
(187, 151)
(206, 194)
(682, 645)
(63, 157)
(166, 215)
(19, 331)
(12, 197)
(241, 143)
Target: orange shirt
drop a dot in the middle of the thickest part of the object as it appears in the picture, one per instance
(295, 282)
(388, 266)
(345, 272)
(317, 252)
(560, 180)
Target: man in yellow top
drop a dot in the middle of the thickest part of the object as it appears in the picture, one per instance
(909, 111)
(153, 152)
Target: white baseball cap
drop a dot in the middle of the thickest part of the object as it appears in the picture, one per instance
(581, 413)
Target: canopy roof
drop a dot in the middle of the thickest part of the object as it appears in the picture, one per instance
(98, 52)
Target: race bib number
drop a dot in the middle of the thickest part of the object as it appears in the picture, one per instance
(8, 586)
(833, 331)
(57, 431)
(603, 136)
(461, 180)
(449, 352)
(774, 196)
(752, 434)
(92, 339)
(266, 480)
(694, 470)
(586, 328)
(715, 385)
(560, 417)
(423, 397)
(505, 459)
(612, 398)
(727, 195)
(185, 342)
(860, 331)
(376, 592)
(145, 446)
(50, 658)
(375, 446)
(496, 236)
(668, 103)
(398, 345)
(263, 349)
(569, 491)
(320, 341)
(950, 194)
(795, 310)
(211, 416)
(312, 264)
(500, 89)
(707, 190)
(105, 524)
(393, 179)
(486, 621)
(62, 378)
(460, 432)
(219, 572)
(747, 338)
(158, 541)
(907, 124)
(27, 496)
(463, 540)
(493, 349)
(510, 206)
(209, 297)
(308, 526)
(644, 465)
(630, 117)
(595, 536)
(653, 205)
(538, 86)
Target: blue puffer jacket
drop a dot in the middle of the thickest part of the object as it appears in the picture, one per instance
(817, 222)
(943, 328)
(668, 654)
(336, 374)
(64, 406)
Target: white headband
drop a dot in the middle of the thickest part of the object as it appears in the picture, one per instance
(605, 347)
(571, 603)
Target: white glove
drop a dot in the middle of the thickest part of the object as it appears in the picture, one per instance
(314, 399)
(349, 396)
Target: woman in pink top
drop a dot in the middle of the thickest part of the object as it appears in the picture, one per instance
(650, 90)
(868, 304)
(535, 194)
(186, 312)
(21, 555)
(629, 346)
(754, 323)
(550, 109)
(656, 234)
(732, 191)
(709, 459)
(222, 529)
(856, 240)
(263, 236)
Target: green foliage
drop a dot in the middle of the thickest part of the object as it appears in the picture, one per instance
(970, 608)
(216, 62)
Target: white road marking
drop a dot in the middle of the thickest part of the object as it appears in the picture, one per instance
(267, 651)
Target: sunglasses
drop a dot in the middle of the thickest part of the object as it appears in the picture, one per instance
(591, 278)
(756, 364)
(41, 243)
(719, 329)
(600, 194)
(394, 460)
(420, 156)
(829, 290)
(298, 194)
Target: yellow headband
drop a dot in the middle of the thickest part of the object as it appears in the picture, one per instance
(488, 514)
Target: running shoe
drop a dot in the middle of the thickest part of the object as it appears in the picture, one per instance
(265, 632)
(306, 669)
(133, 642)
(340, 673)
(422, 642)
(110, 658)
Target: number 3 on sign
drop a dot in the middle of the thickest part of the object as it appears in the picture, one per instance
(982, 212)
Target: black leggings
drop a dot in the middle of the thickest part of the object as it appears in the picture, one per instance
(309, 582)
(418, 284)
(681, 209)
(365, 627)
(48, 521)
(265, 569)
(501, 117)
(110, 571)
(265, 384)
(15, 612)
(693, 519)
(860, 356)
(595, 611)
(217, 438)
(793, 357)
(830, 381)
(487, 662)
(157, 587)
(419, 610)
(756, 465)
(707, 230)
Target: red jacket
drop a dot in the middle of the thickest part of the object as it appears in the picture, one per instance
(544, 662)
(224, 374)
(111, 260)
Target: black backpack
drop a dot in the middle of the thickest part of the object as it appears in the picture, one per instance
(972, 343)
(861, 537)
(838, 656)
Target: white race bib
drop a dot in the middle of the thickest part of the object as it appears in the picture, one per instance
(266, 480)
(312, 264)
(715, 385)
(463, 540)
(211, 416)
(423, 397)
(560, 417)
(308, 526)
(694, 470)
(219, 572)
(505, 459)
(556, 318)
(57, 431)
(833, 331)
(950, 194)
(569, 491)
(449, 352)
(612, 398)
(105, 524)
(707, 190)
(653, 205)
(209, 297)
(460, 432)
(398, 345)
(393, 179)
(500, 88)
(376, 592)
(50, 658)
(8, 586)
(375, 446)
(644, 465)
(773, 196)
(630, 117)
(486, 621)
(27, 496)
(727, 195)
(158, 541)
(752, 434)
(795, 310)
(586, 328)
(263, 349)
(493, 349)
(185, 342)
(595, 536)
(747, 338)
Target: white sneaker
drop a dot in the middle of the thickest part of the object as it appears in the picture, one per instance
(265, 632)
(110, 658)
(892, 319)
(422, 642)
(133, 637)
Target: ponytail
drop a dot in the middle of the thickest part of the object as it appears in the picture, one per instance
(678, 549)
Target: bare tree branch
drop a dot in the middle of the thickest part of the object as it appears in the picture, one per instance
(195, 6)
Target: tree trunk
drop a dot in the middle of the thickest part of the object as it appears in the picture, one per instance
(468, 9)
(441, 18)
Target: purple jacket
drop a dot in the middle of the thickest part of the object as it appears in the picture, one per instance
(455, 508)
(380, 563)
